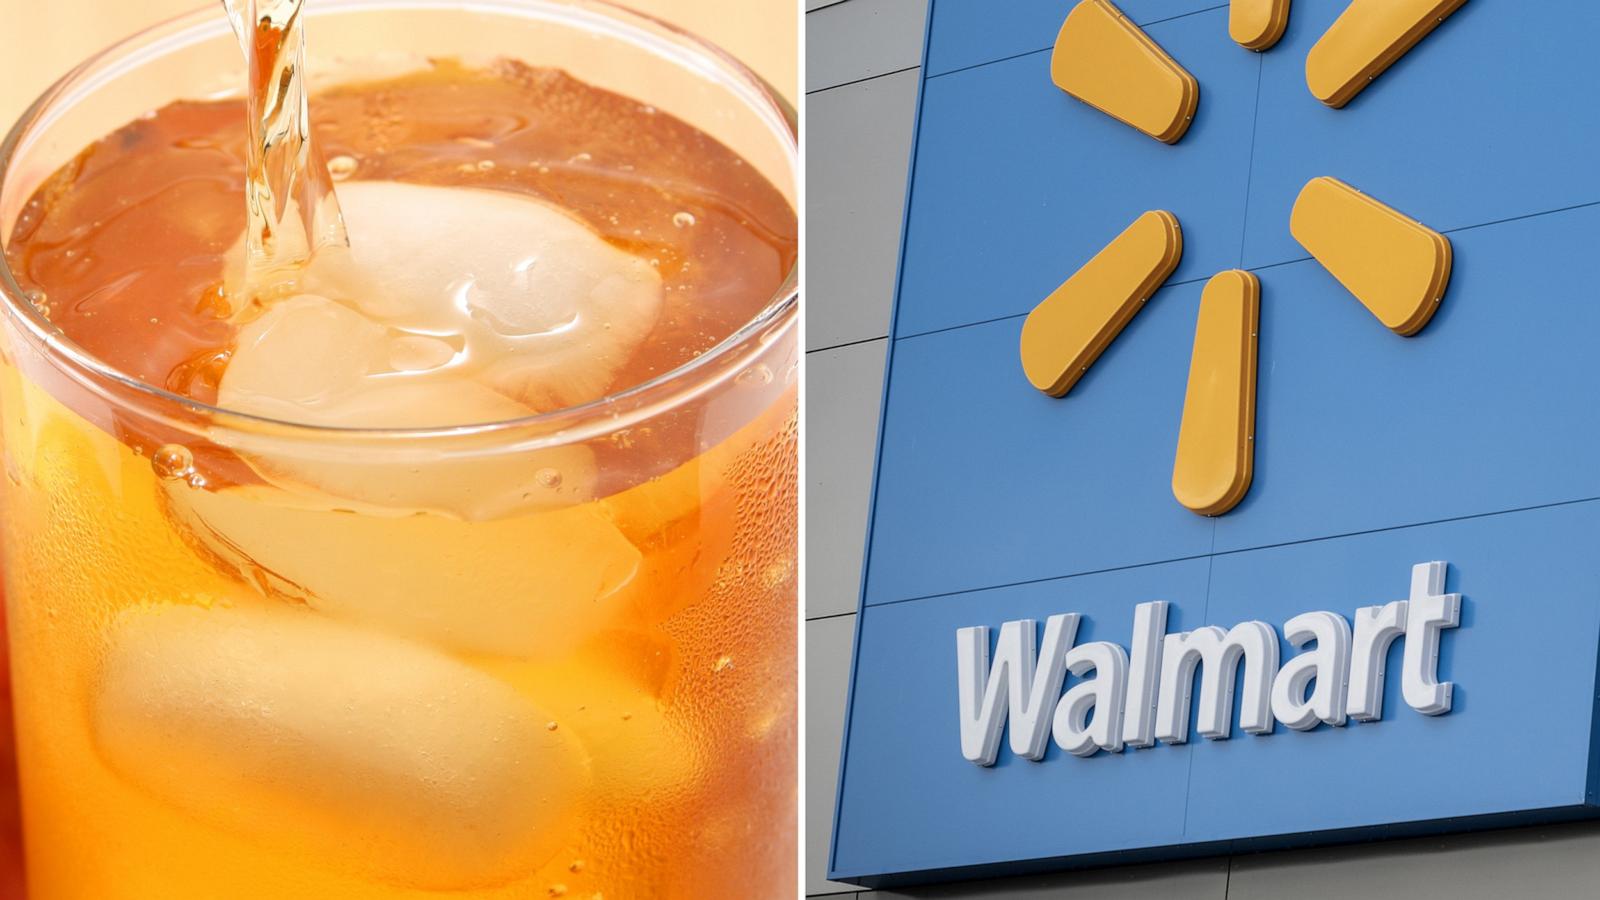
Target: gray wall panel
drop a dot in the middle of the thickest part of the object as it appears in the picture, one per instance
(858, 138)
(843, 387)
(1205, 879)
(1553, 861)
(862, 38)
(827, 681)
(859, 143)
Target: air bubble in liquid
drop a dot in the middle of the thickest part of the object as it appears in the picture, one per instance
(172, 462)
(342, 167)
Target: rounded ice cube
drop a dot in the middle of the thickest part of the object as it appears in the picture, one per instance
(548, 311)
(311, 360)
(524, 586)
(304, 733)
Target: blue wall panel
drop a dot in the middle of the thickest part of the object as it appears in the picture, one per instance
(1523, 659)
(970, 32)
(911, 801)
(1018, 184)
(1491, 116)
(1524, 654)
(1358, 428)
(984, 481)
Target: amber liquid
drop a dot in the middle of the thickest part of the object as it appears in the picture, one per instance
(224, 689)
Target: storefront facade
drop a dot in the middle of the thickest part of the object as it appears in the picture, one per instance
(1398, 695)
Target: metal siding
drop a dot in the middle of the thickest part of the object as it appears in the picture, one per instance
(859, 141)
(862, 39)
(843, 387)
(827, 680)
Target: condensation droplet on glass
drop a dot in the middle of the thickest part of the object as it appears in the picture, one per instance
(550, 478)
(485, 165)
(755, 376)
(342, 167)
(551, 726)
(172, 461)
(683, 219)
(722, 664)
(558, 890)
(579, 157)
(196, 480)
(575, 866)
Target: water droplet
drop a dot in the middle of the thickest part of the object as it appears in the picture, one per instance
(342, 167)
(485, 165)
(172, 462)
(575, 866)
(579, 157)
(550, 478)
(196, 480)
(683, 219)
(755, 376)
(723, 664)
(558, 890)
(551, 726)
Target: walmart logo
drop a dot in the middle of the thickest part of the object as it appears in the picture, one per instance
(1397, 267)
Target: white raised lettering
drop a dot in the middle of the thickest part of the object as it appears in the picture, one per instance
(1218, 654)
(1325, 668)
(1075, 731)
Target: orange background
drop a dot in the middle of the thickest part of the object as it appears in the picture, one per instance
(44, 38)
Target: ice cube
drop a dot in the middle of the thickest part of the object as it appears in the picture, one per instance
(357, 748)
(547, 309)
(531, 585)
(311, 360)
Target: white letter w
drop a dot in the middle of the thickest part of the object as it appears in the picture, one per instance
(1033, 690)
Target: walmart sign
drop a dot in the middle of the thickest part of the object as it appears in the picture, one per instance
(1136, 704)
(1212, 324)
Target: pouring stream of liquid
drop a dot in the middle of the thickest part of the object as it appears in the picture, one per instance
(288, 185)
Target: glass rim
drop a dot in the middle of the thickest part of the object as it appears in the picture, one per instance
(677, 383)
